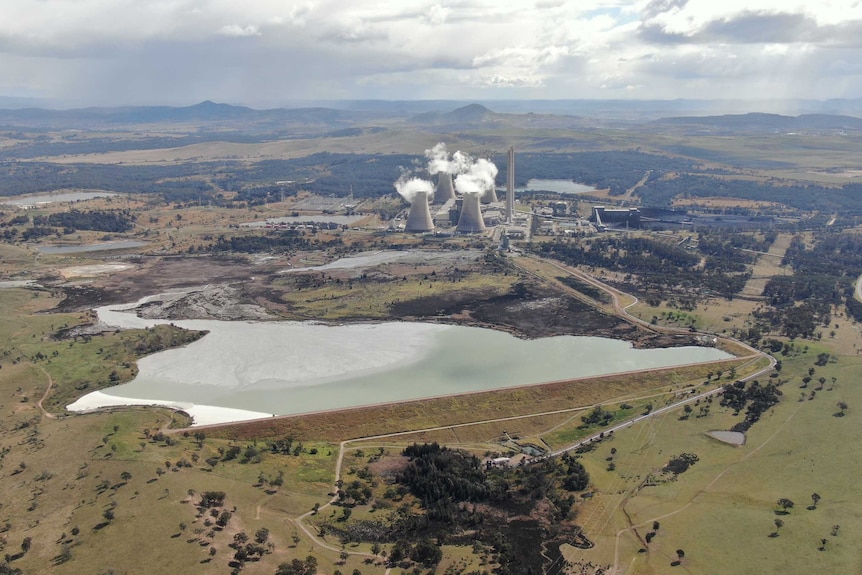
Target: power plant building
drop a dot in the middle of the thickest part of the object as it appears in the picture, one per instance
(470, 219)
(419, 218)
(617, 218)
(445, 190)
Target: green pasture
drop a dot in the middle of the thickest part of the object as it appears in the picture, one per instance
(721, 511)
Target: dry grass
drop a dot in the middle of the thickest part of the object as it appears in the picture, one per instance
(727, 500)
(476, 407)
(768, 266)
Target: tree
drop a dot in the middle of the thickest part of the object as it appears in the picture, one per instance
(785, 504)
(108, 514)
(25, 544)
(843, 407)
(240, 538)
(680, 554)
(815, 498)
(261, 535)
(125, 475)
(778, 525)
(426, 553)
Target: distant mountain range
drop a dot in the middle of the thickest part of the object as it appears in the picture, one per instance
(758, 122)
(355, 117)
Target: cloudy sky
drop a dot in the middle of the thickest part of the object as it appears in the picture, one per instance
(269, 52)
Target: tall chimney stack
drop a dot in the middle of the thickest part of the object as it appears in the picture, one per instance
(510, 186)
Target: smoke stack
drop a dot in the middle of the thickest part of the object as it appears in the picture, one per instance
(419, 219)
(445, 191)
(470, 221)
(510, 186)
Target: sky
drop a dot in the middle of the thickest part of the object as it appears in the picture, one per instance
(265, 53)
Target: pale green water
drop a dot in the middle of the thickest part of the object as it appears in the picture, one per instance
(286, 368)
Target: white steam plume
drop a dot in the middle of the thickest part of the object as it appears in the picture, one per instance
(477, 178)
(408, 187)
(438, 160)
(461, 162)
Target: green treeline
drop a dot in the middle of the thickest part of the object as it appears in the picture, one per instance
(659, 264)
(757, 398)
(809, 198)
(824, 276)
(97, 220)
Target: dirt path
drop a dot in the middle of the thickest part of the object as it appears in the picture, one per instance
(45, 414)
(615, 570)
(766, 266)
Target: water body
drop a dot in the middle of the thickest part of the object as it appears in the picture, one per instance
(102, 246)
(58, 197)
(558, 186)
(298, 367)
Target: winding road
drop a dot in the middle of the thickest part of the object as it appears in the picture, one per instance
(622, 311)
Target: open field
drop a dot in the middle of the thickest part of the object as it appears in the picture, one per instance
(61, 473)
(447, 411)
(723, 502)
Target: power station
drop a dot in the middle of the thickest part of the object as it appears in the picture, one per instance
(419, 219)
(470, 220)
(510, 185)
(445, 190)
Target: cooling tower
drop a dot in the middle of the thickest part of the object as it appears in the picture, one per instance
(419, 218)
(445, 191)
(470, 221)
(490, 196)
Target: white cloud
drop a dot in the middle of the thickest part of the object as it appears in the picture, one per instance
(109, 50)
(237, 30)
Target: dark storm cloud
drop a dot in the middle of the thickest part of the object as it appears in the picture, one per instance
(759, 27)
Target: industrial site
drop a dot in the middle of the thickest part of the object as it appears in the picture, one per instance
(464, 349)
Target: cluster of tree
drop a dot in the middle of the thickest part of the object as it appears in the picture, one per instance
(824, 276)
(658, 264)
(285, 446)
(425, 552)
(441, 478)
(275, 242)
(18, 178)
(298, 567)
(96, 220)
(212, 499)
(161, 337)
(807, 198)
(246, 550)
(680, 463)
(363, 175)
(758, 398)
(598, 416)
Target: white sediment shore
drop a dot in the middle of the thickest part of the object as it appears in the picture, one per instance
(245, 370)
(201, 414)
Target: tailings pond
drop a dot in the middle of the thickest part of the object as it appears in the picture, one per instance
(264, 368)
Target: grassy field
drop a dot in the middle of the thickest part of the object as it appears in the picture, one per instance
(721, 511)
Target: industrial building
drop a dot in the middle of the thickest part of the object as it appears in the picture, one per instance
(605, 218)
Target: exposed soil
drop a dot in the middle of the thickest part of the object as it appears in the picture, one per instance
(236, 288)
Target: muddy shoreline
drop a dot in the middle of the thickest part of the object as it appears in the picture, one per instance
(236, 289)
